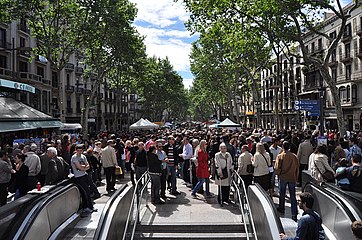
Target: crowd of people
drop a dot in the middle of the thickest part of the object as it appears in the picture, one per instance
(195, 155)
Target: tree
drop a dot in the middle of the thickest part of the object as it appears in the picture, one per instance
(283, 23)
(111, 45)
(55, 25)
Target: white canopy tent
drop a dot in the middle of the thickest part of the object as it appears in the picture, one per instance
(227, 123)
(142, 124)
(151, 123)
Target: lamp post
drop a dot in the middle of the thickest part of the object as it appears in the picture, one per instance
(321, 109)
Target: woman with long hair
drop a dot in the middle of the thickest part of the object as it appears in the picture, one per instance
(261, 163)
(319, 164)
(202, 170)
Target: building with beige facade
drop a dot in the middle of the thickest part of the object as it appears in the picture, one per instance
(110, 110)
(296, 82)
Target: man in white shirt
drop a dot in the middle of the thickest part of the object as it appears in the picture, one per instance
(186, 155)
(275, 149)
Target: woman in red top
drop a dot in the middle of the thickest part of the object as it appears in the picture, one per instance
(202, 170)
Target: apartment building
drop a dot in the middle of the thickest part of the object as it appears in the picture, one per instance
(70, 89)
(298, 82)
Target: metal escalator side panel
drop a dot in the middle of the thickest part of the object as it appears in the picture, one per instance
(114, 216)
(335, 214)
(49, 213)
(266, 221)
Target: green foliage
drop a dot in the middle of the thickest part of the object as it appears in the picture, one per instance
(161, 89)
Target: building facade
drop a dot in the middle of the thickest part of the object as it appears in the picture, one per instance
(294, 81)
(71, 88)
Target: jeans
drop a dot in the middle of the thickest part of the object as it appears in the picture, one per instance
(199, 185)
(110, 177)
(172, 173)
(163, 182)
(155, 187)
(293, 200)
(3, 193)
(139, 172)
(83, 182)
(92, 186)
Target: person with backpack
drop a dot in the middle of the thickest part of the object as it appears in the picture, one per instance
(353, 174)
(310, 224)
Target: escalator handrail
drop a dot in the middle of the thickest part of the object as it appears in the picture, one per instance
(237, 188)
(35, 211)
(338, 198)
(135, 197)
(106, 211)
(247, 202)
(272, 206)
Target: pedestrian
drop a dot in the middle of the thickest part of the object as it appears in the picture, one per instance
(261, 163)
(171, 149)
(58, 169)
(310, 224)
(5, 176)
(224, 167)
(93, 164)
(320, 165)
(356, 227)
(32, 160)
(80, 166)
(287, 167)
(304, 151)
(243, 162)
(353, 174)
(21, 176)
(109, 162)
(140, 161)
(202, 170)
(44, 162)
(186, 155)
(162, 156)
(155, 171)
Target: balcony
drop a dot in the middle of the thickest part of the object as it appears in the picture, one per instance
(87, 92)
(23, 27)
(79, 70)
(100, 96)
(6, 72)
(5, 45)
(69, 110)
(25, 76)
(46, 81)
(311, 86)
(359, 30)
(69, 89)
(359, 53)
(347, 37)
(79, 90)
(333, 62)
(24, 53)
(69, 66)
(346, 58)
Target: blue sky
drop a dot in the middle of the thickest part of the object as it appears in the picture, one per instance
(162, 22)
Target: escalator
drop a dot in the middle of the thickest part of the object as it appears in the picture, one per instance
(14, 213)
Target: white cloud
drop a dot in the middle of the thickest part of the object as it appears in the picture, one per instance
(188, 82)
(162, 13)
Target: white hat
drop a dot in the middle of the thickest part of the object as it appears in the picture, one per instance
(33, 146)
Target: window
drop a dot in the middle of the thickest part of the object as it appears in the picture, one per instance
(334, 74)
(22, 42)
(3, 62)
(2, 38)
(333, 34)
(348, 72)
(68, 79)
(78, 105)
(343, 93)
(348, 30)
(23, 66)
(40, 71)
(348, 93)
(320, 47)
(313, 47)
(354, 93)
(55, 80)
(69, 103)
(347, 50)
(285, 64)
(334, 55)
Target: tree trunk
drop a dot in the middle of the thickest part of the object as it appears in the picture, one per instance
(230, 102)
(61, 97)
(85, 113)
(337, 101)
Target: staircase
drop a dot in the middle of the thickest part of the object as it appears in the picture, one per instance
(196, 231)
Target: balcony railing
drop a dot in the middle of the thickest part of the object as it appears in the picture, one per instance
(87, 92)
(6, 72)
(30, 77)
(333, 61)
(346, 37)
(46, 81)
(79, 90)
(69, 66)
(23, 28)
(69, 89)
(311, 86)
(69, 110)
(24, 53)
(79, 70)
(5, 45)
(359, 52)
(347, 57)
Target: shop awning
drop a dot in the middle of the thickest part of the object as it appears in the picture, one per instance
(17, 116)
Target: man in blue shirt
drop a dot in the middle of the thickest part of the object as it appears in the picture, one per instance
(310, 224)
(354, 149)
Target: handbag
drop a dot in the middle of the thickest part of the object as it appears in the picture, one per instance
(224, 171)
(270, 167)
(250, 168)
(118, 170)
(327, 175)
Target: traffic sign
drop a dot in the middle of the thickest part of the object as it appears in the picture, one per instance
(313, 114)
(307, 105)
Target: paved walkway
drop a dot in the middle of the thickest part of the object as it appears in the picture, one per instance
(184, 209)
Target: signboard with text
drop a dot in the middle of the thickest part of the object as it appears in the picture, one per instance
(16, 85)
(307, 105)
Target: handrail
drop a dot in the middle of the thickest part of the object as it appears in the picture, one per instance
(241, 208)
(337, 197)
(135, 197)
(106, 210)
(35, 211)
(272, 206)
(251, 220)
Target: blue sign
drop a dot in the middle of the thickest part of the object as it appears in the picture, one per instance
(313, 114)
(307, 105)
(16, 85)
